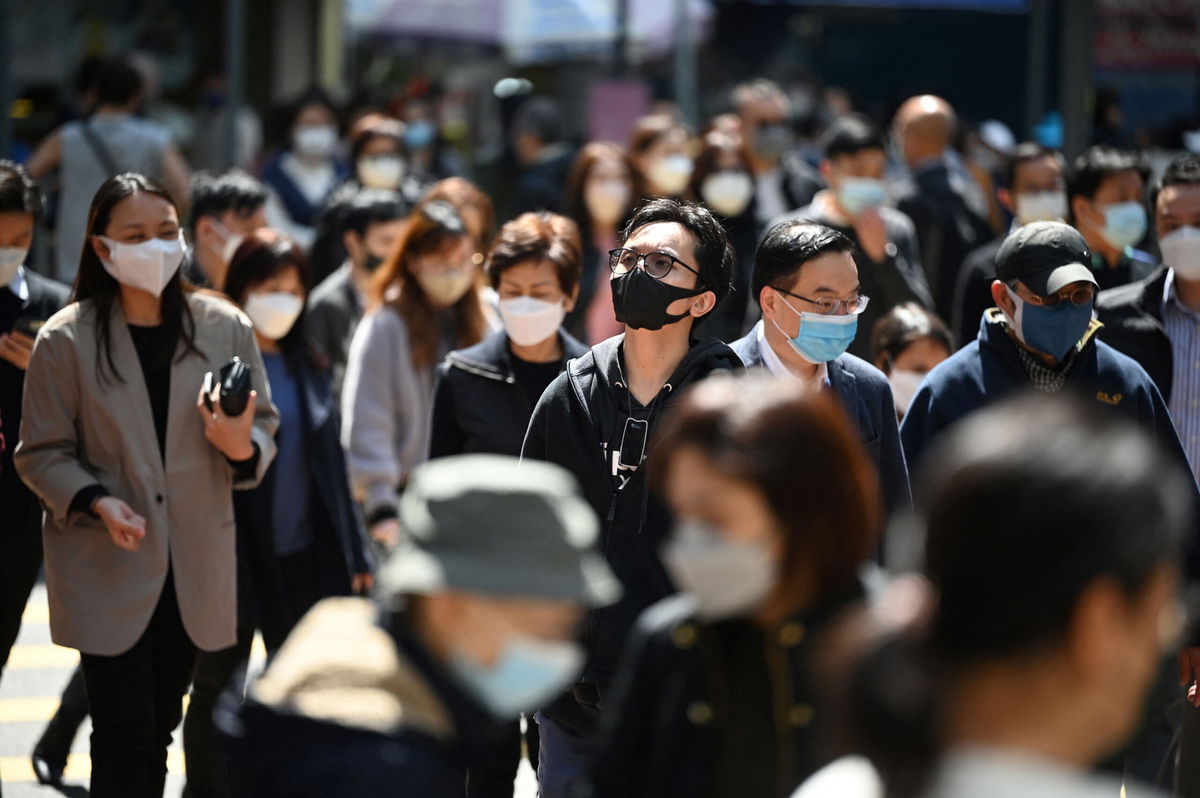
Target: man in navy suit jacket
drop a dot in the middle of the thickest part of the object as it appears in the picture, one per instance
(806, 283)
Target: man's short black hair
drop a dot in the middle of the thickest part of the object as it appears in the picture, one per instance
(849, 135)
(541, 117)
(373, 207)
(1028, 152)
(1183, 171)
(1099, 163)
(714, 253)
(18, 192)
(788, 246)
(219, 193)
(117, 82)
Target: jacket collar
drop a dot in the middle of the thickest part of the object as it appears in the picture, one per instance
(492, 359)
(994, 337)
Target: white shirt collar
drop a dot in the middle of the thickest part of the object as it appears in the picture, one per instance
(777, 367)
(19, 285)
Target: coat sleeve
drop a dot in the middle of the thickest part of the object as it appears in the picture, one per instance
(898, 549)
(370, 414)
(445, 435)
(47, 457)
(1168, 438)
(266, 416)
(919, 427)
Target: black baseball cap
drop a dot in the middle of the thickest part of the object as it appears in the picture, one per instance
(1046, 256)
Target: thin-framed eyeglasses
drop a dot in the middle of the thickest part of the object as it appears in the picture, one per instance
(829, 306)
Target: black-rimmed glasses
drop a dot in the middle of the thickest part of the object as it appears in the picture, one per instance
(656, 264)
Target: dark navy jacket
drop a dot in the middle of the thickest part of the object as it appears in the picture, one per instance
(867, 398)
(340, 545)
(478, 406)
(572, 425)
(989, 368)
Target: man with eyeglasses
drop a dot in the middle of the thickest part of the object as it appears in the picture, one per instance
(598, 420)
(807, 286)
(1041, 335)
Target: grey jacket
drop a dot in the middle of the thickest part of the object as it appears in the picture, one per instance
(78, 430)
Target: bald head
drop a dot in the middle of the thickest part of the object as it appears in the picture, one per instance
(925, 126)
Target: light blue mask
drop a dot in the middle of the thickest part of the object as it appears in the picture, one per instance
(859, 194)
(419, 135)
(1124, 224)
(528, 673)
(821, 338)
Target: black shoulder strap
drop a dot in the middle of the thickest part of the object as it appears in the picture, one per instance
(98, 149)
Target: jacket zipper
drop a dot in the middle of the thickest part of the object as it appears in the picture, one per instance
(481, 372)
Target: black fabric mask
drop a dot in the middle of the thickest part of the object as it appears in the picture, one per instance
(372, 263)
(641, 302)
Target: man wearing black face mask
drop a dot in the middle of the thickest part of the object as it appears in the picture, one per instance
(598, 419)
(371, 226)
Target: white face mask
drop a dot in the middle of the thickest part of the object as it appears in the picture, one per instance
(381, 171)
(231, 241)
(904, 387)
(1041, 206)
(273, 313)
(11, 259)
(315, 141)
(727, 578)
(447, 287)
(147, 266)
(1180, 251)
(606, 200)
(671, 174)
(727, 193)
(530, 321)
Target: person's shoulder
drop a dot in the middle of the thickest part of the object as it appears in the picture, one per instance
(710, 355)
(1131, 294)
(487, 355)
(331, 290)
(896, 219)
(210, 306)
(66, 320)
(848, 777)
(43, 287)
(746, 348)
(864, 371)
(962, 366)
(1112, 360)
(670, 622)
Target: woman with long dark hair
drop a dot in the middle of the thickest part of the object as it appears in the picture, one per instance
(774, 501)
(427, 302)
(136, 474)
(600, 200)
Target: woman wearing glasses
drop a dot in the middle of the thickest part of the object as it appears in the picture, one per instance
(806, 283)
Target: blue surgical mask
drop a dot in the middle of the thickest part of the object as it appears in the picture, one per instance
(528, 673)
(1124, 224)
(419, 135)
(1053, 330)
(859, 194)
(821, 338)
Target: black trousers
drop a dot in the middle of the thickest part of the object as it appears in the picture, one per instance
(20, 562)
(300, 588)
(202, 748)
(136, 701)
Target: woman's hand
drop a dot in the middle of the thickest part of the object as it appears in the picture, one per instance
(230, 434)
(125, 527)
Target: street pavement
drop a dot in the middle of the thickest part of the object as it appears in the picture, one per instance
(36, 673)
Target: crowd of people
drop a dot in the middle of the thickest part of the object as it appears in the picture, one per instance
(711, 467)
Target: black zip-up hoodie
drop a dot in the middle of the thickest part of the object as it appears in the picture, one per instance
(578, 424)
